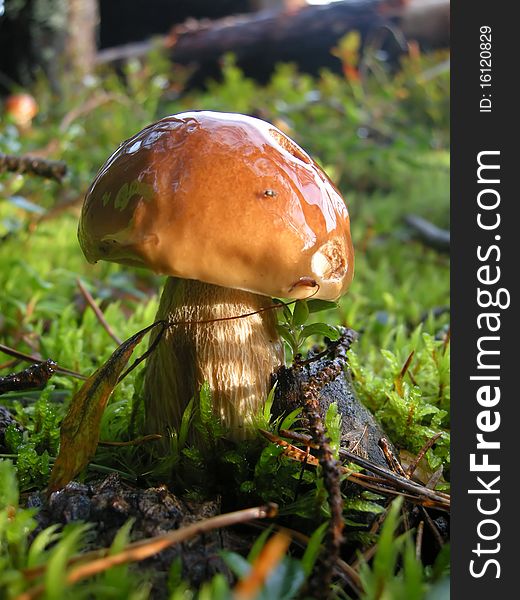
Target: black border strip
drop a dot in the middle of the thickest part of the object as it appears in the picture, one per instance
(475, 406)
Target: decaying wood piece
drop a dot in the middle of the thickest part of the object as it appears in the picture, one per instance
(272, 34)
(35, 376)
(331, 472)
(360, 431)
(301, 34)
(314, 384)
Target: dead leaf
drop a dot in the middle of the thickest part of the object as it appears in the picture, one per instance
(398, 382)
(81, 426)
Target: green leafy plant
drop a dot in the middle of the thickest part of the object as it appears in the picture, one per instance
(395, 571)
(293, 328)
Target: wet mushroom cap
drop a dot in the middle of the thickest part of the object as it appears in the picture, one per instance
(225, 199)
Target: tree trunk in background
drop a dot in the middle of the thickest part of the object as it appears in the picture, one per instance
(46, 36)
(81, 48)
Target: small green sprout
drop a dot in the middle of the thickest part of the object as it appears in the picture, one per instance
(294, 331)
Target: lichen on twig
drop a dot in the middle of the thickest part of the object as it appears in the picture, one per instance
(331, 468)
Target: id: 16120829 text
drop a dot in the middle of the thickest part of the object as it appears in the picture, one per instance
(485, 69)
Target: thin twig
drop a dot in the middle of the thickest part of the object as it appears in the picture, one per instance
(415, 463)
(434, 478)
(279, 304)
(419, 540)
(398, 383)
(363, 557)
(433, 528)
(331, 470)
(85, 108)
(97, 311)
(344, 570)
(146, 354)
(387, 482)
(398, 481)
(36, 359)
(67, 202)
(391, 459)
(33, 165)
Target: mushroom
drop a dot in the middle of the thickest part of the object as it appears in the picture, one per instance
(234, 212)
(21, 108)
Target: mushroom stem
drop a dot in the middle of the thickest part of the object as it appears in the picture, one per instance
(236, 357)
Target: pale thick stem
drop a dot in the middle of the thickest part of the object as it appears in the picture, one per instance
(236, 357)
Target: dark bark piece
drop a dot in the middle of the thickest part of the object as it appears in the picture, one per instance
(274, 35)
(35, 376)
(428, 22)
(261, 40)
(360, 431)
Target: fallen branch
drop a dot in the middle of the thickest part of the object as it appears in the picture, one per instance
(420, 455)
(32, 165)
(304, 35)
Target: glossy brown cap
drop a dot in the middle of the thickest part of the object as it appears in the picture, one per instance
(222, 198)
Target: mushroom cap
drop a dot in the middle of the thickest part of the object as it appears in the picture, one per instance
(22, 108)
(222, 198)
